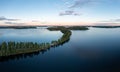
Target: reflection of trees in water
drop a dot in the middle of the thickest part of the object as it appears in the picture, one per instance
(20, 56)
(17, 57)
(26, 55)
(12, 50)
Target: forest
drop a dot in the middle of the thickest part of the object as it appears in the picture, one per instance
(14, 48)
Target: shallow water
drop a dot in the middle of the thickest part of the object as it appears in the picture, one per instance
(94, 50)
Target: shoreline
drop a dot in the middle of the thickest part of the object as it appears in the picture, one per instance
(36, 47)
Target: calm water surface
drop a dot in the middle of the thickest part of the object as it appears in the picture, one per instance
(39, 35)
(94, 50)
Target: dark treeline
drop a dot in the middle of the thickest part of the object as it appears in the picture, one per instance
(68, 27)
(77, 28)
(66, 37)
(17, 27)
(25, 55)
(56, 28)
(14, 48)
(106, 26)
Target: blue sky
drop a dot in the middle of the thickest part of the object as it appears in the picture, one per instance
(63, 12)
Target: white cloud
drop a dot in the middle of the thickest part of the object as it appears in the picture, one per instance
(13, 23)
(69, 12)
(2, 18)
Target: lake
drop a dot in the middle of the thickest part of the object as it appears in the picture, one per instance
(39, 35)
(93, 50)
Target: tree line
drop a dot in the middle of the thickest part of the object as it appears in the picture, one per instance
(13, 48)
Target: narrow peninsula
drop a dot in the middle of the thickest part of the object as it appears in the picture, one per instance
(15, 48)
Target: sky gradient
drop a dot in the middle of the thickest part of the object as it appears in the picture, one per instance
(59, 12)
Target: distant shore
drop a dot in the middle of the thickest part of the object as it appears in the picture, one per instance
(20, 27)
(70, 27)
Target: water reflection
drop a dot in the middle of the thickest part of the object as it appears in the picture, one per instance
(20, 56)
(95, 50)
(39, 35)
(25, 55)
